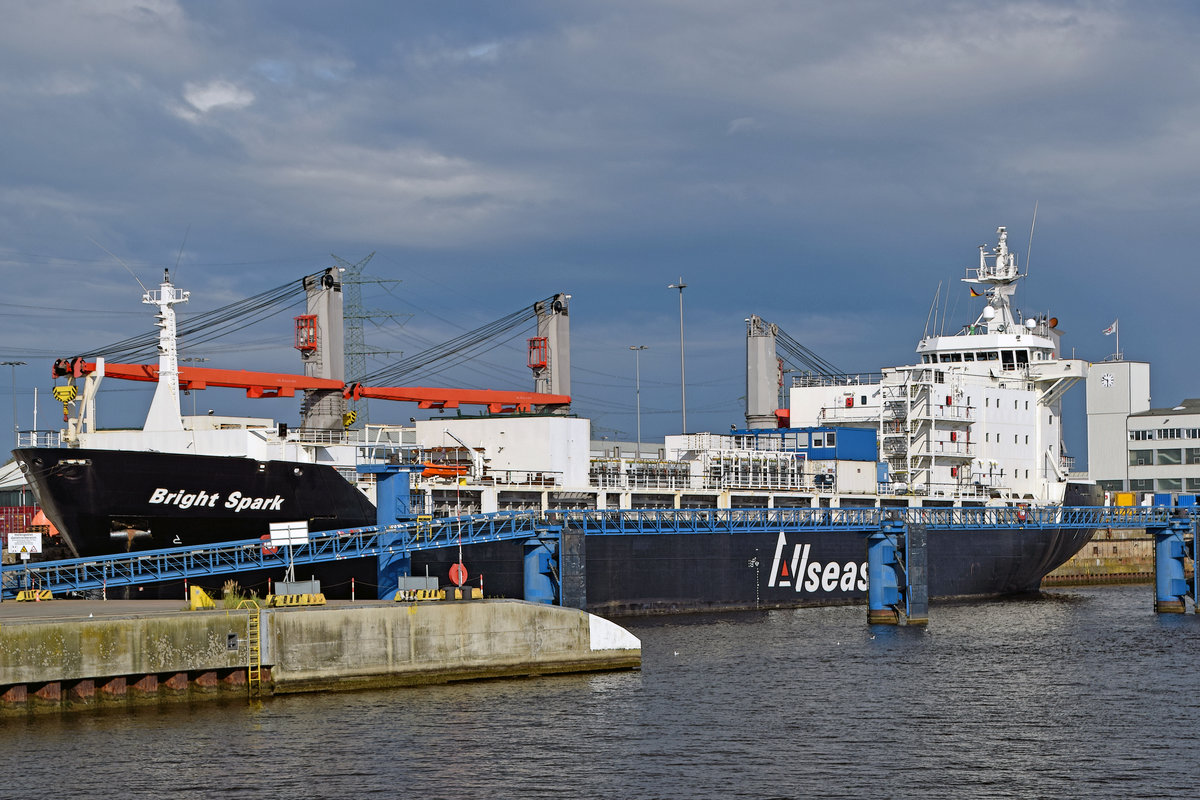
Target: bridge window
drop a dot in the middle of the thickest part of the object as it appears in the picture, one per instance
(1006, 359)
(968, 356)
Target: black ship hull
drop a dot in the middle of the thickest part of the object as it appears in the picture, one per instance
(113, 501)
(108, 501)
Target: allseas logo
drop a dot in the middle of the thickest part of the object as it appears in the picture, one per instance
(807, 575)
(236, 502)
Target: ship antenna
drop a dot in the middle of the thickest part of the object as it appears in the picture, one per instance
(122, 263)
(932, 306)
(1029, 248)
(952, 312)
(182, 245)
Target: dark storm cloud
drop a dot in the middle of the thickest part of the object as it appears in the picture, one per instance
(824, 165)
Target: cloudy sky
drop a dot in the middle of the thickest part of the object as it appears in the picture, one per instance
(824, 165)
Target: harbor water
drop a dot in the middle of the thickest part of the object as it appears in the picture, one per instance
(1078, 693)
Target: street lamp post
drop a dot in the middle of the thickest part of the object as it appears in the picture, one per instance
(637, 389)
(682, 374)
(16, 428)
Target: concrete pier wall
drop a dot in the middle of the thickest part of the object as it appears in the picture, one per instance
(436, 642)
(61, 664)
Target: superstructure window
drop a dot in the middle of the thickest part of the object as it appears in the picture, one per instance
(1192, 455)
(1140, 458)
(1170, 484)
(1169, 433)
(1141, 436)
(968, 356)
(1141, 485)
(1168, 457)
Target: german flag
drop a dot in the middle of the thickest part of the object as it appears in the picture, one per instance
(975, 293)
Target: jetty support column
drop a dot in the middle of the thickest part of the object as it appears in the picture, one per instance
(393, 505)
(1170, 552)
(541, 567)
(883, 574)
(897, 574)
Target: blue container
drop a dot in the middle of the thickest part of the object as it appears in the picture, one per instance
(1163, 499)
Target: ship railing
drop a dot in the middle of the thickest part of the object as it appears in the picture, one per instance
(851, 413)
(965, 449)
(39, 439)
(974, 518)
(859, 379)
(941, 411)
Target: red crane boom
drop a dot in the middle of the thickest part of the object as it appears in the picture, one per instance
(277, 384)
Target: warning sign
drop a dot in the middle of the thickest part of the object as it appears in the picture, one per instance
(25, 542)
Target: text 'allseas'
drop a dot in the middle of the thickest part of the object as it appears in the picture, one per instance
(236, 500)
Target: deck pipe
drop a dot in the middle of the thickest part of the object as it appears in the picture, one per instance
(393, 504)
(1170, 551)
(884, 574)
(541, 556)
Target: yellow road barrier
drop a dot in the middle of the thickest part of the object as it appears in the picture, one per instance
(291, 600)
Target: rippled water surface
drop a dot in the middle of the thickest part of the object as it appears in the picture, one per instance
(1082, 693)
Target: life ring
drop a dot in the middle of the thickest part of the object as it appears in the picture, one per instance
(1021, 513)
(268, 549)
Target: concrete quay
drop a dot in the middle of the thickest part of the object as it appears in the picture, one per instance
(66, 655)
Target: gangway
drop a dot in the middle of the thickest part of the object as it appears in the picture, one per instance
(189, 563)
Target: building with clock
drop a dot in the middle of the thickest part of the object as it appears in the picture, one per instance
(1133, 447)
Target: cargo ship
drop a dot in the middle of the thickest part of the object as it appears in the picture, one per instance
(976, 422)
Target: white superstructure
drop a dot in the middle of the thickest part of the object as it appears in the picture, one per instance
(980, 415)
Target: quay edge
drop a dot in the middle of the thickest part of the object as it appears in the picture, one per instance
(80, 663)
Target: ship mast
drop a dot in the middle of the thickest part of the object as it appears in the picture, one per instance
(1000, 277)
(164, 414)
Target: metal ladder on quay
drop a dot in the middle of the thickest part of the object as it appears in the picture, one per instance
(254, 650)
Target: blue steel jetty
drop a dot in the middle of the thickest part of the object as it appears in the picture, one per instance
(893, 546)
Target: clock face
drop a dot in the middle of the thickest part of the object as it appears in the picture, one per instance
(1107, 380)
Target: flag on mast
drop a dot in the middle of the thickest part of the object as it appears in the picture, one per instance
(1111, 329)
